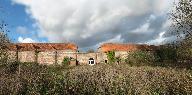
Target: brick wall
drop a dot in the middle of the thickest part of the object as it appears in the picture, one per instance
(62, 54)
(52, 57)
(26, 56)
(47, 57)
(121, 54)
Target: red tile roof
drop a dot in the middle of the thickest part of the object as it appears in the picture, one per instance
(43, 46)
(125, 47)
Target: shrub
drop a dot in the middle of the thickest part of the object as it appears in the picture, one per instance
(166, 53)
(66, 61)
(111, 56)
(184, 54)
(4, 42)
(139, 58)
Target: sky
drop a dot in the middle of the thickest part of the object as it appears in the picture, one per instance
(88, 23)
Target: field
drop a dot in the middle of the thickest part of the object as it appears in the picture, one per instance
(31, 78)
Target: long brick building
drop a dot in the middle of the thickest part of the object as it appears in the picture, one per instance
(54, 53)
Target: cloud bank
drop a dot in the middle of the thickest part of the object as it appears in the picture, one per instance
(26, 40)
(92, 22)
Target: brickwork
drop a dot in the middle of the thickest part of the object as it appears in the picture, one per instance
(45, 53)
(26, 56)
(47, 57)
(62, 54)
(121, 54)
(83, 58)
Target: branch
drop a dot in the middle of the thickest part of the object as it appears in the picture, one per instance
(175, 18)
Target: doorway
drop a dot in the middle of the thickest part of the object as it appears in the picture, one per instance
(91, 61)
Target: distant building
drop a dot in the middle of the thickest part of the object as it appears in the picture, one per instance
(54, 53)
(122, 50)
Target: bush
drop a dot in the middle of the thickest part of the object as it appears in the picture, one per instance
(66, 61)
(139, 58)
(111, 56)
(184, 54)
(166, 53)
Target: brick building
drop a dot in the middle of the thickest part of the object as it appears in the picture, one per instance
(54, 53)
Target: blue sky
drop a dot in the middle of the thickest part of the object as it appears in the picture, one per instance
(18, 20)
(88, 23)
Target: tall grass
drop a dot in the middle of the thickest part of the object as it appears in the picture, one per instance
(99, 79)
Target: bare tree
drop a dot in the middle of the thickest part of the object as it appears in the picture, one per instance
(4, 42)
(181, 16)
(182, 19)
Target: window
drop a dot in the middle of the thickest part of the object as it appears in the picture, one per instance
(91, 61)
(105, 61)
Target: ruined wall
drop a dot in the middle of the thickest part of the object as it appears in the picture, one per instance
(52, 57)
(83, 58)
(46, 57)
(101, 57)
(65, 53)
(121, 54)
(26, 56)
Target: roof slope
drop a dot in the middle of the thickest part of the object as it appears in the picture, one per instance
(125, 47)
(43, 46)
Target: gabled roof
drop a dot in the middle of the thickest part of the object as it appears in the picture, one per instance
(43, 46)
(125, 47)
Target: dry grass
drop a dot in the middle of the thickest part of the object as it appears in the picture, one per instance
(99, 79)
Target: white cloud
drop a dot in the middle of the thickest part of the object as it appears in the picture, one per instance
(25, 40)
(90, 22)
(142, 29)
(159, 40)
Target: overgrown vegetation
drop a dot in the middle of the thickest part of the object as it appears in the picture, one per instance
(31, 78)
(66, 61)
(111, 56)
(4, 42)
(140, 58)
(182, 27)
(99, 79)
(166, 53)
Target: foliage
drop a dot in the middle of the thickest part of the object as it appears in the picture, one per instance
(182, 18)
(139, 58)
(94, 80)
(111, 56)
(182, 27)
(166, 53)
(66, 61)
(4, 42)
(184, 54)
